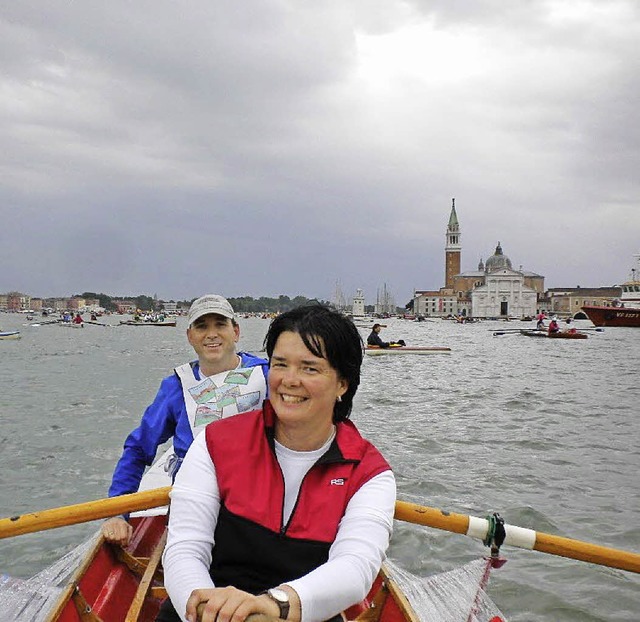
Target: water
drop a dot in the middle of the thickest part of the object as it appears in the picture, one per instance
(544, 432)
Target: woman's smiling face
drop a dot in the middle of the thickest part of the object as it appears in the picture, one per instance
(303, 388)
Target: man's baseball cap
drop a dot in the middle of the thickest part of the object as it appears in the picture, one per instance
(211, 303)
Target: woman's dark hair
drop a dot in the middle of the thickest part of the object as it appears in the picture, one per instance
(329, 335)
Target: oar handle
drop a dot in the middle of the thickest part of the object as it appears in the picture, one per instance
(83, 512)
(519, 537)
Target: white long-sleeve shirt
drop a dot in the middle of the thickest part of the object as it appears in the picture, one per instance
(354, 557)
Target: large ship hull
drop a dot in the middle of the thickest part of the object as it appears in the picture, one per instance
(613, 316)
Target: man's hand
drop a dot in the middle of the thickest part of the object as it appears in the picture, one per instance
(117, 531)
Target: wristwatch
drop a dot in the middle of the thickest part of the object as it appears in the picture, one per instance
(281, 598)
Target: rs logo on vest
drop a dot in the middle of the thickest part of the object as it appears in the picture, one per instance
(337, 482)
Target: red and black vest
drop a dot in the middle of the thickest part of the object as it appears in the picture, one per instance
(253, 549)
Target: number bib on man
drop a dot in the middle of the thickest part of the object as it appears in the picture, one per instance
(216, 397)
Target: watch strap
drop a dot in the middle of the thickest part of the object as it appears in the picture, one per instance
(283, 605)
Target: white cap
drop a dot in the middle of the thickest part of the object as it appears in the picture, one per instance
(211, 303)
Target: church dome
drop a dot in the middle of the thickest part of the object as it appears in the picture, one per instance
(498, 261)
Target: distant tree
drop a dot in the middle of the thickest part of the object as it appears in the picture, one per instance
(247, 304)
(106, 302)
(145, 303)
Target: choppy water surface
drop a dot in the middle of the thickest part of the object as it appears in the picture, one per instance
(545, 432)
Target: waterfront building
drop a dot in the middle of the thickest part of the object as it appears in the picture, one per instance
(15, 302)
(125, 306)
(452, 249)
(495, 289)
(357, 308)
(568, 302)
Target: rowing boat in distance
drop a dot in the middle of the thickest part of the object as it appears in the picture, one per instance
(565, 334)
(9, 334)
(376, 350)
(135, 323)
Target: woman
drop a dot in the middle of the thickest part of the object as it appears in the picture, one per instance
(289, 497)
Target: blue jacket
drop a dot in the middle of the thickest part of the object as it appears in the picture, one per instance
(166, 417)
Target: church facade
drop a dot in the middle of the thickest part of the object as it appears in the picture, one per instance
(494, 290)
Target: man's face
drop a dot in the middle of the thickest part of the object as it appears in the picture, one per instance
(214, 339)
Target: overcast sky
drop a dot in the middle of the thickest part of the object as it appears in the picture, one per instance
(278, 147)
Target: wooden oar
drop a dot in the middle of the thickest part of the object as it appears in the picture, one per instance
(519, 537)
(504, 331)
(409, 512)
(83, 512)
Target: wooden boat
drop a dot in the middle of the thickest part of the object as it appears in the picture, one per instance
(10, 334)
(375, 350)
(116, 584)
(134, 323)
(71, 325)
(560, 335)
(127, 584)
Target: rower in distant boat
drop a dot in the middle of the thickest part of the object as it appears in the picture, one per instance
(553, 325)
(374, 339)
(78, 319)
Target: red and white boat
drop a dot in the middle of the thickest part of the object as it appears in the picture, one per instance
(565, 334)
(622, 312)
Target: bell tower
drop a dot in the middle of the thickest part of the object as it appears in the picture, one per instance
(453, 248)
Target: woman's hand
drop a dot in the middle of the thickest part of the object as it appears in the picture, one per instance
(227, 604)
(117, 530)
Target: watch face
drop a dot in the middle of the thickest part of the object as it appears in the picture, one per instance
(279, 595)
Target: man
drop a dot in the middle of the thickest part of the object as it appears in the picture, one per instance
(554, 327)
(221, 383)
(374, 339)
